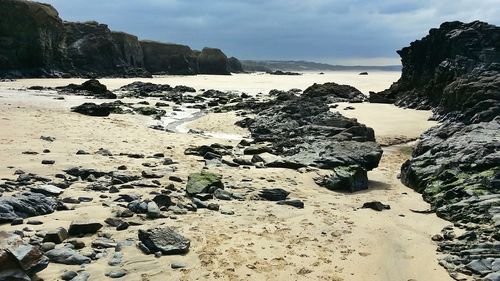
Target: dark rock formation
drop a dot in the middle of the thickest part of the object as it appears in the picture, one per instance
(92, 109)
(35, 42)
(455, 70)
(280, 72)
(95, 51)
(164, 240)
(333, 92)
(203, 182)
(212, 61)
(234, 65)
(31, 39)
(166, 58)
(26, 204)
(19, 260)
(90, 87)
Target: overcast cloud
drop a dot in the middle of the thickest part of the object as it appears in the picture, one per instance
(332, 31)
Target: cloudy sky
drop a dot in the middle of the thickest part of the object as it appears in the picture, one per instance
(331, 31)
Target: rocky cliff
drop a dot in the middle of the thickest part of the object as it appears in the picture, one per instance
(31, 39)
(212, 61)
(234, 65)
(35, 42)
(438, 68)
(169, 58)
(455, 71)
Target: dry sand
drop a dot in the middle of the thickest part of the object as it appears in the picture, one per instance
(330, 239)
(249, 83)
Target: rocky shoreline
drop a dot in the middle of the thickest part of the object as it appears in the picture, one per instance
(455, 71)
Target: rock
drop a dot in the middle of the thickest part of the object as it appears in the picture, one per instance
(213, 206)
(212, 61)
(351, 178)
(335, 93)
(84, 227)
(294, 203)
(92, 109)
(203, 182)
(280, 72)
(163, 200)
(56, 236)
(175, 179)
(165, 240)
(19, 260)
(257, 149)
(25, 204)
(68, 275)
(116, 273)
(376, 205)
(152, 175)
(274, 194)
(48, 162)
(47, 189)
(47, 246)
(26, 48)
(223, 194)
(177, 265)
(171, 59)
(153, 210)
(66, 256)
(234, 65)
(363, 73)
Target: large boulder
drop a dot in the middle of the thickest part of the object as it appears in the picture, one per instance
(212, 61)
(164, 240)
(203, 182)
(19, 260)
(234, 65)
(31, 39)
(167, 58)
(25, 204)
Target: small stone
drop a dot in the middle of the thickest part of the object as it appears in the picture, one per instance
(177, 265)
(48, 162)
(376, 205)
(213, 206)
(116, 273)
(68, 275)
(57, 236)
(84, 227)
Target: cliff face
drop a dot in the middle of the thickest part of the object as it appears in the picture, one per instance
(439, 70)
(212, 61)
(455, 70)
(35, 42)
(96, 51)
(31, 38)
(234, 65)
(168, 58)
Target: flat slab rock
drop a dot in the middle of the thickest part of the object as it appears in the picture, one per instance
(84, 227)
(164, 240)
(26, 204)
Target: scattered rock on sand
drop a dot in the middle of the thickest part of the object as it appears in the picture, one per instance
(274, 194)
(294, 203)
(349, 178)
(376, 205)
(56, 236)
(25, 204)
(66, 256)
(204, 182)
(19, 260)
(92, 109)
(84, 227)
(166, 240)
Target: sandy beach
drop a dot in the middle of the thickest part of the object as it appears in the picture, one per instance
(330, 239)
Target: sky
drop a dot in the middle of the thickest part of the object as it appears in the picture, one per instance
(350, 32)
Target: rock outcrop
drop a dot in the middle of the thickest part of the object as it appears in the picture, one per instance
(95, 51)
(35, 42)
(169, 58)
(455, 71)
(212, 61)
(453, 68)
(234, 65)
(31, 39)
(304, 132)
